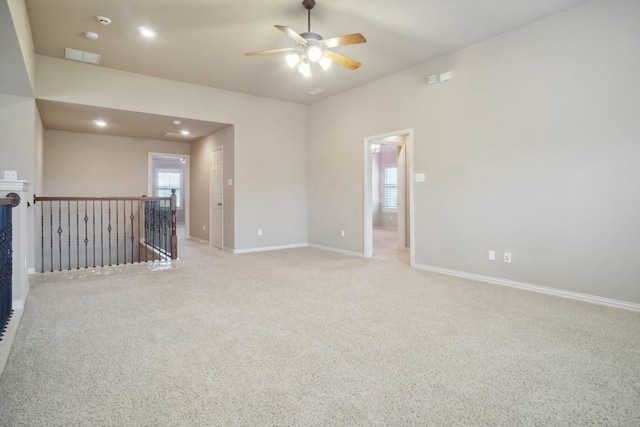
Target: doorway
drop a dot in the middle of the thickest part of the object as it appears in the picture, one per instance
(388, 202)
(171, 172)
(216, 199)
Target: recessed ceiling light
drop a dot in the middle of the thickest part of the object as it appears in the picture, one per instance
(147, 32)
(184, 132)
(177, 122)
(100, 123)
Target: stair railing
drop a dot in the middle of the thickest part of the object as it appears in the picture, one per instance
(84, 232)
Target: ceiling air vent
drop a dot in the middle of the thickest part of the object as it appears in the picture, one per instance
(79, 55)
(316, 91)
(178, 135)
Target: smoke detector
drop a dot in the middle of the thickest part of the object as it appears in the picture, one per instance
(103, 20)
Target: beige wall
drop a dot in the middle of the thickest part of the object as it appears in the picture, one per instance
(530, 149)
(18, 123)
(84, 164)
(270, 160)
(200, 168)
(17, 67)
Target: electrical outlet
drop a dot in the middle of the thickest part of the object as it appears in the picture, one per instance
(492, 255)
(507, 257)
(341, 233)
(259, 231)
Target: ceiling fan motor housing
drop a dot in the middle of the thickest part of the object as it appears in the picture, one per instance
(308, 4)
(311, 36)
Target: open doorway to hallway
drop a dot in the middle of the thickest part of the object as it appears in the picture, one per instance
(171, 172)
(388, 204)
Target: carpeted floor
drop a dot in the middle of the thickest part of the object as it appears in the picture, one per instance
(312, 338)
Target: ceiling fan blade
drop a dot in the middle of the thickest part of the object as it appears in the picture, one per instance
(342, 60)
(266, 52)
(355, 38)
(292, 34)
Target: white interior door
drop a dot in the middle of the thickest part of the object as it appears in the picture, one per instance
(215, 226)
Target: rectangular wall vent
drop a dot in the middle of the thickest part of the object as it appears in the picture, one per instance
(79, 55)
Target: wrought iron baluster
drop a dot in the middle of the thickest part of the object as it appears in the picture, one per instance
(51, 233)
(101, 234)
(93, 220)
(69, 234)
(109, 230)
(78, 234)
(86, 236)
(166, 212)
(42, 237)
(117, 237)
(132, 238)
(59, 231)
(138, 242)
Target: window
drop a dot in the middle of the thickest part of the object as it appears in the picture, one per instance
(169, 180)
(391, 187)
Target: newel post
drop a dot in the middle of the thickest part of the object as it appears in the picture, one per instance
(174, 235)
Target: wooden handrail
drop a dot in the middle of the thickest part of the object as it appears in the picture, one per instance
(81, 199)
(12, 199)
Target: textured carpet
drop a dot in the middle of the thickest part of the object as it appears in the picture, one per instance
(312, 338)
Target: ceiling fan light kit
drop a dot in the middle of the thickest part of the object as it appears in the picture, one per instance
(312, 48)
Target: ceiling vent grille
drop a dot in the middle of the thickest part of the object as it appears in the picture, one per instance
(178, 135)
(79, 55)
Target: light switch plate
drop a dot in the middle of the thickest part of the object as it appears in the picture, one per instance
(11, 175)
(420, 177)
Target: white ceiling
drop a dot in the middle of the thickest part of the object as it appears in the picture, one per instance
(204, 41)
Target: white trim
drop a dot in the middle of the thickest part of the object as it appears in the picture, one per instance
(31, 271)
(17, 304)
(339, 251)
(19, 186)
(534, 288)
(270, 248)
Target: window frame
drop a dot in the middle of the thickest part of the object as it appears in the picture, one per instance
(385, 185)
(178, 190)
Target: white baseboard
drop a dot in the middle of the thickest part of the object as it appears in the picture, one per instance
(269, 248)
(534, 288)
(340, 251)
(17, 304)
(31, 271)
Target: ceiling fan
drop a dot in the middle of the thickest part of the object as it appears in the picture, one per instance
(311, 47)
